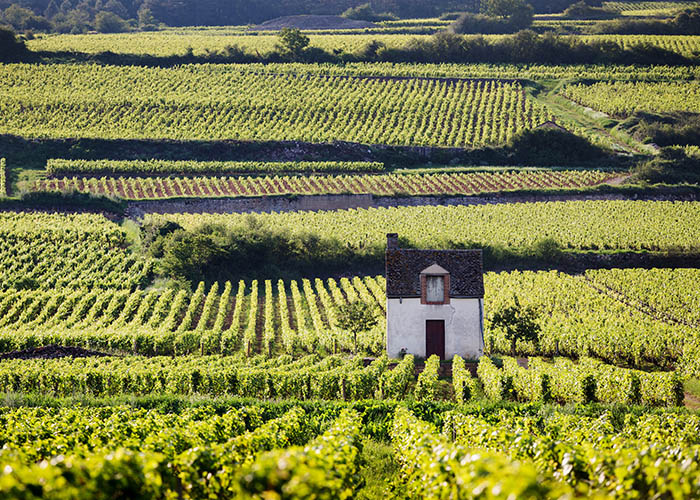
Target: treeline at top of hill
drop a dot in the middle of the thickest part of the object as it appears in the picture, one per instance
(397, 16)
(245, 12)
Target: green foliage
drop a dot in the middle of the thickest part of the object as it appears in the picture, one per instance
(664, 129)
(672, 165)
(498, 16)
(292, 43)
(109, 22)
(553, 146)
(432, 467)
(364, 12)
(464, 384)
(327, 468)
(3, 178)
(581, 10)
(63, 167)
(426, 386)
(519, 323)
(215, 252)
(22, 19)
(356, 317)
(598, 456)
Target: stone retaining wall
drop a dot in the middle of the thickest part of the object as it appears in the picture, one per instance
(259, 204)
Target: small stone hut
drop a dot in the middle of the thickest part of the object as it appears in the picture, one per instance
(435, 302)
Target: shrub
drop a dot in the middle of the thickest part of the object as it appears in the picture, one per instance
(672, 165)
(364, 12)
(581, 10)
(499, 16)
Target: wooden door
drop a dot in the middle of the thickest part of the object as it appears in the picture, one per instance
(435, 338)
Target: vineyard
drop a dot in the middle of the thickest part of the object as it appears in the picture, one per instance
(302, 453)
(269, 398)
(623, 98)
(580, 225)
(149, 351)
(57, 167)
(171, 42)
(624, 325)
(153, 103)
(141, 188)
(53, 251)
(645, 6)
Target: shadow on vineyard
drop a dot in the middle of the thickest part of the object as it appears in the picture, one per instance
(216, 252)
(540, 147)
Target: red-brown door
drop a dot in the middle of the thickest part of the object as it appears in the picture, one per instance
(435, 338)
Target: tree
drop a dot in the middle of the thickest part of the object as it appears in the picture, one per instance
(108, 22)
(365, 12)
(51, 10)
(518, 322)
(146, 20)
(116, 7)
(292, 43)
(515, 11)
(355, 317)
(23, 19)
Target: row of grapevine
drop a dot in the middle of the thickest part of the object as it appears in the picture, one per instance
(596, 456)
(580, 320)
(581, 225)
(584, 381)
(296, 318)
(3, 178)
(464, 385)
(669, 294)
(55, 251)
(432, 467)
(80, 431)
(330, 379)
(144, 188)
(641, 6)
(624, 98)
(164, 104)
(58, 167)
(426, 385)
(243, 466)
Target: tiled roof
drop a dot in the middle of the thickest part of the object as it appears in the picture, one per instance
(403, 268)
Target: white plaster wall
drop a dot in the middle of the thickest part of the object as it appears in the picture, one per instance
(463, 326)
